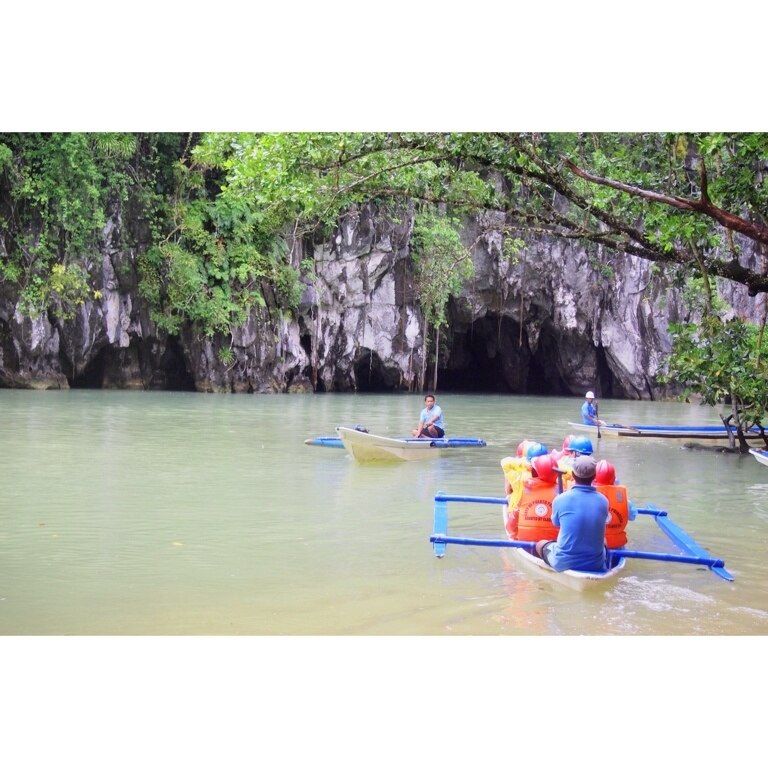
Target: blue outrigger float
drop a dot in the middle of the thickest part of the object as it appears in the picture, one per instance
(709, 433)
(335, 441)
(691, 551)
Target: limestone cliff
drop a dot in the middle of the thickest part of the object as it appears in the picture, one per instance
(557, 320)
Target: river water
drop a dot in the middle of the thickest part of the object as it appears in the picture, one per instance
(125, 513)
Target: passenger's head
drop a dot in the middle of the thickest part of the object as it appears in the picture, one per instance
(605, 473)
(535, 449)
(567, 442)
(584, 469)
(544, 467)
(429, 399)
(522, 448)
(581, 446)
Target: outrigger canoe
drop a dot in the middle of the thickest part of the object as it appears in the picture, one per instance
(761, 456)
(364, 446)
(690, 551)
(666, 432)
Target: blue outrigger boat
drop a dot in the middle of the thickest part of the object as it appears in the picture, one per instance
(707, 432)
(691, 551)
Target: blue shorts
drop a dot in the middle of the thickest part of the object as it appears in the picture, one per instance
(547, 551)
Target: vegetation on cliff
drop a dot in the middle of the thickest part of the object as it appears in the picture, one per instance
(215, 218)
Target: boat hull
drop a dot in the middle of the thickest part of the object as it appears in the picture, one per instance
(761, 456)
(709, 434)
(578, 580)
(364, 446)
(448, 442)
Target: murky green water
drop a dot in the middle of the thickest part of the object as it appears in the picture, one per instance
(126, 513)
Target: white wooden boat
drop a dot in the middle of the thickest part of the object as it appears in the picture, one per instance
(364, 446)
(708, 433)
(761, 456)
(579, 580)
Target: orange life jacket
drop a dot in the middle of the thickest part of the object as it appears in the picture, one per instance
(534, 518)
(618, 514)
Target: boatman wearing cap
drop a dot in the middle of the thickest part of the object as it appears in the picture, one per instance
(589, 411)
(581, 515)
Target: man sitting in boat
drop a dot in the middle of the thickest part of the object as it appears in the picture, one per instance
(580, 514)
(620, 509)
(430, 420)
(589, 411)
(529, 518)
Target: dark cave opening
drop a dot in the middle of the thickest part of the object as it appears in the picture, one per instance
(489, 356)
(92, 376)
(114, 367)
(174, 367)
(371, 375)
(494, 356)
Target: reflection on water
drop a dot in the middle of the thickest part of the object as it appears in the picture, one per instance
(178, 513)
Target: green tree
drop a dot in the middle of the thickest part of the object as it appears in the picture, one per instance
(720, 361)
(442, 265)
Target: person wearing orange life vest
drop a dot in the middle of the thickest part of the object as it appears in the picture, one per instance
(620, 508)
(531, 518)
(518, 469)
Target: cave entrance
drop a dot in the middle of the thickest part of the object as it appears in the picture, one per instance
(492, 355)
(488, 356)
(371, 375)
(92, 376)
(173, 368)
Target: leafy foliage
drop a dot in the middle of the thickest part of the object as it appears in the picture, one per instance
(222, 212)
(443, 264)
(720, 361)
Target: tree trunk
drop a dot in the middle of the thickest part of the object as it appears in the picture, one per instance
(423, 376)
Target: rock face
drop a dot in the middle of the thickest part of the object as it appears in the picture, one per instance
(558, 320)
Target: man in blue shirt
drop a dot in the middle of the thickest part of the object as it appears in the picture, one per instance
(430, 420)
(589, 411)
(581, 514)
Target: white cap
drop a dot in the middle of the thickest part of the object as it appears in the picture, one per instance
(590, 395)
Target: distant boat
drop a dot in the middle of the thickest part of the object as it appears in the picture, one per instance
(364, 446)
(665, 432)
(760, 455)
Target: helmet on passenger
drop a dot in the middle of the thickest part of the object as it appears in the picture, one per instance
(545, 467)
(605, 473)
(522, 448)
(581, 445)
(535, 449)
(567, 442)
(590, 395)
